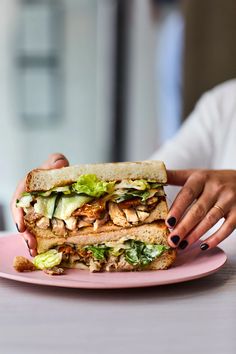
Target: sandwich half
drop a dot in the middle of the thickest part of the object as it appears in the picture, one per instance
(101, 217)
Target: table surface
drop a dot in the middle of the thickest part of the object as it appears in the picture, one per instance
(193, 317)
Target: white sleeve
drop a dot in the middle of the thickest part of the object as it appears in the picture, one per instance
(192, 146)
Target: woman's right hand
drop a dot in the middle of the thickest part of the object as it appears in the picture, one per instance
(54, 161)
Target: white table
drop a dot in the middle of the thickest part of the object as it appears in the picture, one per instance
(196, 317)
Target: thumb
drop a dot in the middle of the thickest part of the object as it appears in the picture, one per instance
(178, 177)
(56, 160)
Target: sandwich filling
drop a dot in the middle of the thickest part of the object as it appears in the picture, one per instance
(65, 210)
(110, 256)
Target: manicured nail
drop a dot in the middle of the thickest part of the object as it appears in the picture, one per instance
(30, 252)
(183, 244)
(175, 239)
(204, 246)
(27, 242)
(17, 227)
(171, 221)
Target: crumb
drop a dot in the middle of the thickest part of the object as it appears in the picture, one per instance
(22, 264)
(54, 271)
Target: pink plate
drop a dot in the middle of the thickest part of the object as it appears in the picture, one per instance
(191, 264)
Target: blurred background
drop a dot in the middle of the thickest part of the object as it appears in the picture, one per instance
(103, 80)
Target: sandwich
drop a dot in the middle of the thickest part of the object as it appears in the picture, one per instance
(101, 217)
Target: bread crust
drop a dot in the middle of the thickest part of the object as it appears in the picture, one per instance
(43, 180)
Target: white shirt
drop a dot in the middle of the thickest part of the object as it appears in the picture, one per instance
(207, 139)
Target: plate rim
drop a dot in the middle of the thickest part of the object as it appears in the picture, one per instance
(91, 284)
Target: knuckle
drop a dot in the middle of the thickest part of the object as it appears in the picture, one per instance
(189, 193)
(198, 211)
(231, 225)
(231, 194)
(211, 218)
(200, 176)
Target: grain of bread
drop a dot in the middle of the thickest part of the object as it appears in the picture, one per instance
(44, 180)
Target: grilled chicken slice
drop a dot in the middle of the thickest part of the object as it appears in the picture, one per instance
(131, 216)
(160, 212)
(83, 223)
(58, 227)
(43, 223)
(71, 223)
(142, 215)
(117, 215)
(100, 222)
(31, 215)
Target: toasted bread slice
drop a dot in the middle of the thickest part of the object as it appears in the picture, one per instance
(44, 180)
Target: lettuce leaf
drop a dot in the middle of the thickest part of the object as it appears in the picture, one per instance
(48, 259)
(129, 194)
(139, 184)
(67, 204)
(24, 201)
(142, 254)
(99, 252)
(92, 186)
(45, 206)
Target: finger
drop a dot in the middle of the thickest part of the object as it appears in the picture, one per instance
(191, 190)
(55, 160)
(224, 231)
(30, 242)
(211, 218)
(18, 213)
(193, 217)
(178, 177)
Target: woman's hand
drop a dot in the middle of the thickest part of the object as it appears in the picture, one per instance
(54, 161)
(206, 197)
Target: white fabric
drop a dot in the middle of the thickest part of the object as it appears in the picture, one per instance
(207, 139)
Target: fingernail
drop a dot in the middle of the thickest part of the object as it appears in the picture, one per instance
(27, 242)
(204, 246)
(171, 221)
(175, 239)
(17, 227)
(59, 159)
(183, 244)
(30, 252)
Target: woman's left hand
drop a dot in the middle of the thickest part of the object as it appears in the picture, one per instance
(206, 197)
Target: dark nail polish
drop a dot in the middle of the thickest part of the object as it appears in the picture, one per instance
(183, 244)
(175, 239)
(171, 221)
(30, 253)
(204, 246)
(27, 242)
(17, 227)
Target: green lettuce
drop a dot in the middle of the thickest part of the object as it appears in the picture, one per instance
(129, 194)
(99, 252)
(142, 254)
(67, 204)
(135, 252)
(92, 186)
(48, 259)
(45, 206)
